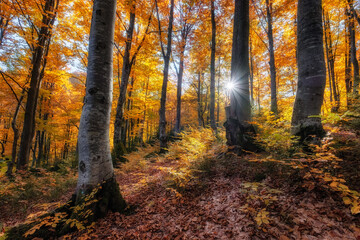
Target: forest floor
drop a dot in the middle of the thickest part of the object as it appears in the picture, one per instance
(200, 191)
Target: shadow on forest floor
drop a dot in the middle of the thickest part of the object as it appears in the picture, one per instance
(198, 190)
(228, 197)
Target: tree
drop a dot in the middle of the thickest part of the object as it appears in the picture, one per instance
(311, 72)
(212, 67)
(95, 163)
(119, 135)
(238, 129)
(166, 55)
(186, 25)
(354, 61)
(40, 50)
(330, 60)
(274, 107)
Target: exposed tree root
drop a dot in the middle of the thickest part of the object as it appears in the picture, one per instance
(77, 214)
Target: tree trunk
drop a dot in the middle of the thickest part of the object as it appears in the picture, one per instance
(354, 60)
(238, 130)
(218, 96)
(212, 67)
(166, 56)
(348, 82)
(4, 22)
(312, 72)
(199, 101)
(95, 163)
(274, 107)
(16, 136)
(251, 74)
(125, 75)
(37, 136)
(184, 35)
(35, 82)
(330, 57)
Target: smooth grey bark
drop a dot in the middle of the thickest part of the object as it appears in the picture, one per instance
(238, 130)
(306, 121)
(95, 163)
(166, 57)
(120, 136)
(212, 67)
(38, 60)
(240, 108)
(274, 106)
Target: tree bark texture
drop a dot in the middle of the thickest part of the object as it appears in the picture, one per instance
(273, 107)
(348, 82)
(238, 130)
(119, 136)
(330, 60)
(167, 55)
(306, 121)
(239, 97)
(184, 35)
(44, 37)
(16, 136)
(95, 163)
(353, 50)
(212, 67)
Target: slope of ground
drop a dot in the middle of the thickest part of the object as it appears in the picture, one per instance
(223, 202)
(199, 190)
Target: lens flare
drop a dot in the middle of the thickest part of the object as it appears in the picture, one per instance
(230, 86)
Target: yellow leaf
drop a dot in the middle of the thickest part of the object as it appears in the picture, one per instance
(355, 209)
(347, 200)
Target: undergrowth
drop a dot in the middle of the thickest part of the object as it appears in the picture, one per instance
(35, 185)
(193, 155)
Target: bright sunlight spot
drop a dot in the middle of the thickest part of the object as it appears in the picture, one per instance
(230, 86)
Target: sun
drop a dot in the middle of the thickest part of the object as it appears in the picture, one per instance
(229, 86)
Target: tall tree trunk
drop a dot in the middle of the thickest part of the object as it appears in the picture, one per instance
(199, 103)
(178, 94)
(238, 114)
(44, 37)
(144, 120)
(274, 107)
(95, 163)
(37, 136)
(16, 136)
(4, 22)
(119, 136)
(348, 82)
(354, 60)
(126, 129)
(184, 35)
(330, 57)
(312, 72)
(212, 67)
(166, 56)
(251, 74)
(218, 96)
